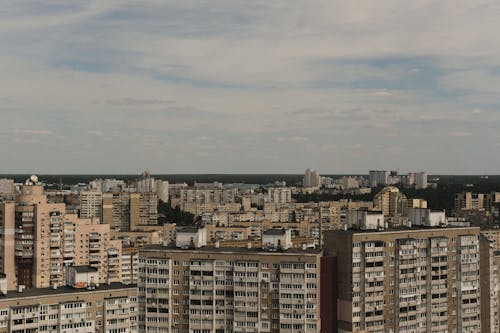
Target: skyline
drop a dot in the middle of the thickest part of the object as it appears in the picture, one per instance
(235, 87)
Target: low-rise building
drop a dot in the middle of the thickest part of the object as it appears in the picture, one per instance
(105, 309)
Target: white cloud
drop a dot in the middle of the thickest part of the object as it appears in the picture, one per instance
(282, 72)
(34, 132)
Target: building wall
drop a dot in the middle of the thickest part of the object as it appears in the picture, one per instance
(7, 243)
(328, 294)
(489, 288)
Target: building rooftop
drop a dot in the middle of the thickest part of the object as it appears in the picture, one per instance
(85, 269)
(13, 294)
(416, 228)
(372, 212)
(187, 229)
(275, 232)
(211, 249)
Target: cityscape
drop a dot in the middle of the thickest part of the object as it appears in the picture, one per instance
(235, 166)
(149, 255)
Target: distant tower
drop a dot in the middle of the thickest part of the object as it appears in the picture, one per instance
(147, 183)
(421, 180)
(311, 179)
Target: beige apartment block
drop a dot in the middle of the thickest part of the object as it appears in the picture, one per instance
(390, 201)
(407, 280)
(35, 260)
(143, 209)
(469, 200)
(130, 265)
(138, 237)
(215, 233)
(94, 247)
(106, 309)
(128, 210)
(116, 210)
(229, 290)
(90, 204)
(39, 240)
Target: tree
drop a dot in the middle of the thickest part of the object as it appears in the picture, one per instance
(167, 214)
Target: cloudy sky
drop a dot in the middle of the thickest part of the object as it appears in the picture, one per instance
(249, 86)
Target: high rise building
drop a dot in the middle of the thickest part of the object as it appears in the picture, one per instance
(311, 179)
(390, 201)
(234, 289)
(407, 280)
(89, 243)
(39, 240)
(378, 177)
(7, 187)
(162, 190)
(421, 180)
(38, 258)
(469, 201)
(107, 185)
(147, 183)
(126, 210)
(143, 209)
(279, 195)
(197, 201)
(90, 204)
(116, 210)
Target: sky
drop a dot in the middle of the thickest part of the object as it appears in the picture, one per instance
(238, 86)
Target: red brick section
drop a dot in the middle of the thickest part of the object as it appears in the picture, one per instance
(328, 286)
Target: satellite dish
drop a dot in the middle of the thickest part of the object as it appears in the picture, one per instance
(34, 179)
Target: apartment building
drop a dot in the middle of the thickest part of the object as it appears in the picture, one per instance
(90, 204)
(116, 210)
(469, 200)
(407, 279)
(130, 265)
(210, 289)
(94, 247)
(31, 239)
(107, 309)
(126, 210)
(390, 201)
(38, 240)
(143, 209)
(200, 200)
(378, 177)
(421, 180)
(311, 179)
(279, 195)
